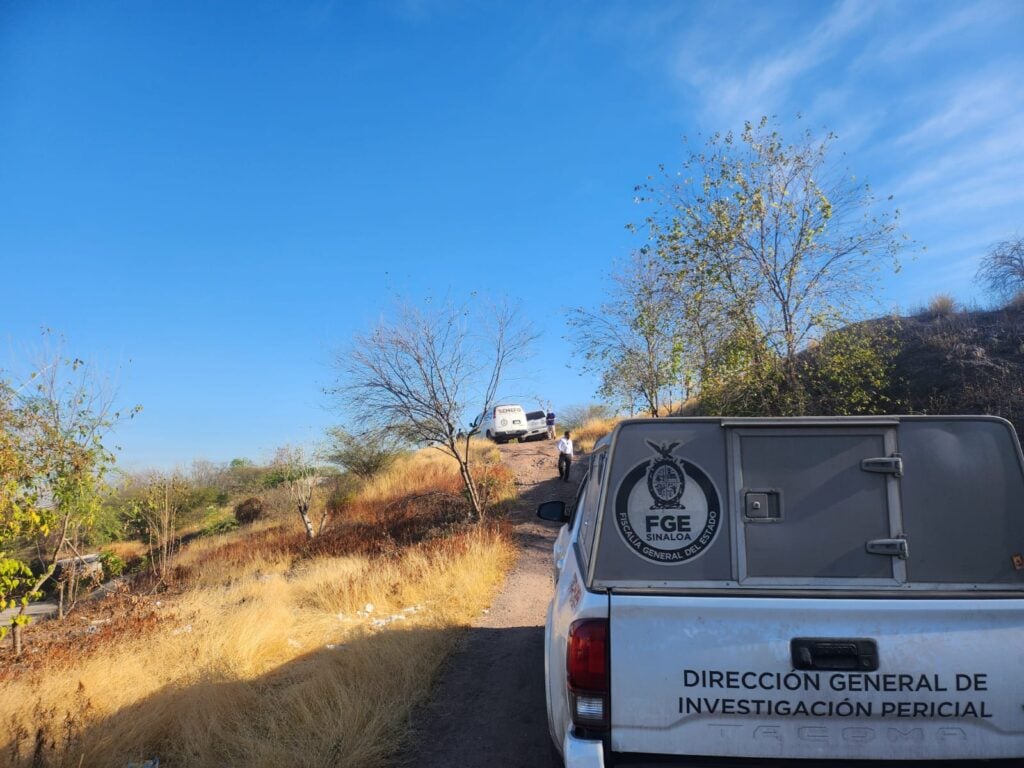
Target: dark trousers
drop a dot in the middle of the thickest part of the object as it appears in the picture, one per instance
(564, 465)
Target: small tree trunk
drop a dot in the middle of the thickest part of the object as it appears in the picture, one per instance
(60, 601)
(304, 514)
(16, 639)
(476, 509)
(71, 596)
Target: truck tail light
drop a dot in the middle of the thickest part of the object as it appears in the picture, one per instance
(586, 665)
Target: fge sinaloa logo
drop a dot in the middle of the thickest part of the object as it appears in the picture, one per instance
(667, 508)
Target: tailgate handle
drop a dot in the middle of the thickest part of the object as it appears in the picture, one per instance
(834, 653)
(886, 465)
(892, 547)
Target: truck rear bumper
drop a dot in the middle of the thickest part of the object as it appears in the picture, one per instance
(582, 753)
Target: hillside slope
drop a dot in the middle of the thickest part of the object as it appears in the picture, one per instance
(962, 362)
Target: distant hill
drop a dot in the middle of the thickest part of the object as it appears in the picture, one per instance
(960, 362)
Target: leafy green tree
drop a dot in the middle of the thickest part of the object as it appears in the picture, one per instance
(20, 517)
(55, 424)
(851, 371)
(742, 377)
(770, 248)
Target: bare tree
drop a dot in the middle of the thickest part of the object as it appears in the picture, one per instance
(633, 340)
(158, 503)
(1002, 268)
(427, 372)
(298, 474)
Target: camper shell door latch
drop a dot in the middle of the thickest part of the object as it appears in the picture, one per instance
(896, 547)
(886, 465)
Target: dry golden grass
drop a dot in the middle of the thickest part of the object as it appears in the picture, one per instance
(126, 550)
(424, 471)
(272, 656)
(593, 430)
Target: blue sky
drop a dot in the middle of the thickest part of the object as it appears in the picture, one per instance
(207, 200)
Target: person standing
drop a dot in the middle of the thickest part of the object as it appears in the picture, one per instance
(565, 456)
(549, 419)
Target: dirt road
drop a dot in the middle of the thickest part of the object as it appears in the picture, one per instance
(488, 708)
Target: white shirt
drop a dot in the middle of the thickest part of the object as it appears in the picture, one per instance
(565, 446)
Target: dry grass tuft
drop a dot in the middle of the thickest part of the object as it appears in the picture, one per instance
(274, 651)
(940, 306)
(592, 430)
(126, 550)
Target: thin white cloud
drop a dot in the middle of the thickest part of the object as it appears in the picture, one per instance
(760, 85)
(953, 202)
(1000, 149)
(910, 42)
(974, 104)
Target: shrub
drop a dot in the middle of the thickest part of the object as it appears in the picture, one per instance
(367, 454)
(224, 525)
(343, 491)
(851, 372)
(249, 510)
(495, 483)
(113, 565)
(939, 306)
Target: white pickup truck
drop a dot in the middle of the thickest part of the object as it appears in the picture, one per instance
(791, 592)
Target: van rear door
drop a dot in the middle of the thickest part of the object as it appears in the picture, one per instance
(874, 608)
(509, 419)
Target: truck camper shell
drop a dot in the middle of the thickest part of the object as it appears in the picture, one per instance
(862, 506)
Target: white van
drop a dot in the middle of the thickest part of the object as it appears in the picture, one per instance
(780, 592)
(503, 423)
